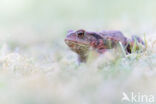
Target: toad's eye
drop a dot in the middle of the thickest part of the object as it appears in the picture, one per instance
(80, 35)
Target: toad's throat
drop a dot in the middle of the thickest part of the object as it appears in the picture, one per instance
(78, 47)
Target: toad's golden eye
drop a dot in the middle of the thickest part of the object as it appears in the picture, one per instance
(80, 34)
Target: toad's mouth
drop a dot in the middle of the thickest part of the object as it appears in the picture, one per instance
(77, 46)
(68, 41)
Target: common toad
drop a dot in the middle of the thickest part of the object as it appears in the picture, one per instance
(82, 41)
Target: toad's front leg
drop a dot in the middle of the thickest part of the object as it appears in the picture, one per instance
(82, 58)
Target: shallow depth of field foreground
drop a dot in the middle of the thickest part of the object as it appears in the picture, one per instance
(36, 66)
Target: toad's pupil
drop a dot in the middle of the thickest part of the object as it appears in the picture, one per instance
(80, 35)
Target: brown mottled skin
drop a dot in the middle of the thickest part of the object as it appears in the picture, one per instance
(81, 42)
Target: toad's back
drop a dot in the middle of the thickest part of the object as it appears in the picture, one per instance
(114, 36)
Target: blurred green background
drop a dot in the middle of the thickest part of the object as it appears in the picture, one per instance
(31, 21)
(36, 67)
